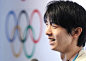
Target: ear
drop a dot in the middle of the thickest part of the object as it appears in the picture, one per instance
(77, 32)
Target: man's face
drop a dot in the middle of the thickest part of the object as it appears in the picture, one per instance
(59, 39)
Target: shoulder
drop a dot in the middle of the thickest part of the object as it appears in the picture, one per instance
(81, 56)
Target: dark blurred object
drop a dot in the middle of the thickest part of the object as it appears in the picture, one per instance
(34, 59)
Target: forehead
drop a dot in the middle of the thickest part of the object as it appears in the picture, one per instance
(49, 20)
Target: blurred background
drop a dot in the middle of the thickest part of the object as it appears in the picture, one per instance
(22, 31)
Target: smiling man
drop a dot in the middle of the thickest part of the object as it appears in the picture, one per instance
(66, 29)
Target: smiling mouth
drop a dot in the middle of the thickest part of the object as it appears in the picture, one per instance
(52, 39)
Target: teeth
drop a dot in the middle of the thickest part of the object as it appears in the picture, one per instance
(52, 39)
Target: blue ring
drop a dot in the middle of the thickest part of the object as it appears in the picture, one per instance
(6, 26)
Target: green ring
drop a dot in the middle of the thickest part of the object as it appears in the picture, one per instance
(29, 56)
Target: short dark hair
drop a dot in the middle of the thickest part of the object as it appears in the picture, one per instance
(68, 15)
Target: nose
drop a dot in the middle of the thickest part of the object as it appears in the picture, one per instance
(48, 31)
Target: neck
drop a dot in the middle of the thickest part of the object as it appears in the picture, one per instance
(69, 55)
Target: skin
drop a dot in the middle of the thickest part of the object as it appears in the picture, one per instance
(65, 43)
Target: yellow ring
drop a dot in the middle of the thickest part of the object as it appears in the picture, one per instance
(12, 46)
(13, 51)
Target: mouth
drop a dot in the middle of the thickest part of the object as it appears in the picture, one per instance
(51, 41)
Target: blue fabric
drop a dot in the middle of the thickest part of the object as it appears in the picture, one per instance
(75, 57)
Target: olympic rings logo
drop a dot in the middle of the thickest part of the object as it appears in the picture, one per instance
(17, 29)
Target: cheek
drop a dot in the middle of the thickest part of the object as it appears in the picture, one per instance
(63, 39)
(65, 42)
(58, 38)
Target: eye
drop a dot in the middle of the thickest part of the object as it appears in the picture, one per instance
(46, 23)
(54, 26)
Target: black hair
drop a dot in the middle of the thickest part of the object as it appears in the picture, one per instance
(68, 15)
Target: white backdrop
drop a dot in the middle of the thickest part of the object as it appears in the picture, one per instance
(31, 10)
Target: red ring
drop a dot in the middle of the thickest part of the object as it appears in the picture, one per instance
(22, 0)
(41, 26)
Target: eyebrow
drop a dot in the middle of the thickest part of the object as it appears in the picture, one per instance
(56, 23)
(52, 23)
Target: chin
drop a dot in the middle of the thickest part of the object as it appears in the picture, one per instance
(53, 48)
